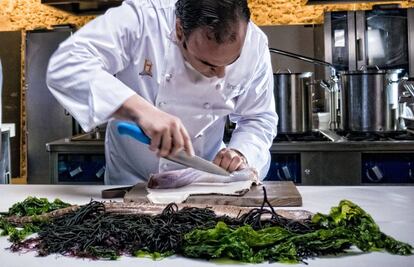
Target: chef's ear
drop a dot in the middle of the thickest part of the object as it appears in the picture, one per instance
(179, 30)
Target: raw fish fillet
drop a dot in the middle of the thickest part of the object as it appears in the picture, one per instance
(183, 177)
(176, 186)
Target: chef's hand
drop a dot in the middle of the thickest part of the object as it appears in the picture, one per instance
(167, 133)
(230, 160)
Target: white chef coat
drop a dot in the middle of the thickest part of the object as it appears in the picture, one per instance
(102, 65)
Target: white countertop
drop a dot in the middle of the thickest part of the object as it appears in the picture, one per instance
(390, 206)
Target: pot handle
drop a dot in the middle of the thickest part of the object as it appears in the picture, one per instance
(365, 67)
(401, 80)
(286, 69)
(408, 86)
(324, 84)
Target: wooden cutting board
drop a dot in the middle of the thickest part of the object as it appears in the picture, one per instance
(279, 193)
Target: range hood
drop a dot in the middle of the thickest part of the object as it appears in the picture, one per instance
(83, 7)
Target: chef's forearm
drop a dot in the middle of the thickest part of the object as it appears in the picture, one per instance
(167, 133)
(133, 109)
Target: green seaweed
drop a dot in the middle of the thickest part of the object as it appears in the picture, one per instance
(363, 231)
(198, 233)
(36, 206)
(346, 225)
(152, 255)
(31, 206)
(17, 234)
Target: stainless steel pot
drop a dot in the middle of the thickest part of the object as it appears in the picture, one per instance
(293, 97)
(369, 100)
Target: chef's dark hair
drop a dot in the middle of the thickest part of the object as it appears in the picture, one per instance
(219, 16)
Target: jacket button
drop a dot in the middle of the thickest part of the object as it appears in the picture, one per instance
(168, 77)
(218, 86)
(207, 105)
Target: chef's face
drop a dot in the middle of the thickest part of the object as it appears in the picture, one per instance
(206, 55)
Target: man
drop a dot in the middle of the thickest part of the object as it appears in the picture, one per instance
(177, 69)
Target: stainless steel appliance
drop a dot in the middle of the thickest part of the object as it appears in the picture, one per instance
(382, 37)
(10, 54)
(406, 104)
(46, 118)
(361, 101)
(332, 85)
(84, 7)
(78, 160)
(369, 100)
(293, 98)
(313, 158)
(343, 158)
(5, 159)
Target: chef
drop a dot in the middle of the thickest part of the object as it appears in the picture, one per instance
(177, 69)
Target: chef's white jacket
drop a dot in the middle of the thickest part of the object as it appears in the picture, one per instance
(132, 49)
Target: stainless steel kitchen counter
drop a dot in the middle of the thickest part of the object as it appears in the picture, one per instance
(343, 162)
(68, 145)
(364, 146)
(391, 207)
(65, 145)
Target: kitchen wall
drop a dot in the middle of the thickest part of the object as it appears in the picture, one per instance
(296, 39)
(31, 14)
(276, 12)
(21, 15)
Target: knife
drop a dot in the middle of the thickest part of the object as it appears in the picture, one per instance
(181, 157)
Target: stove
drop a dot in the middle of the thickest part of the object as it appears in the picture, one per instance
(320, 157)
(315, 136)
(377, 136)
(327, 157)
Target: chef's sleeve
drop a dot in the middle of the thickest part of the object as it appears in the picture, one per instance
(255, 116)
(81, 72)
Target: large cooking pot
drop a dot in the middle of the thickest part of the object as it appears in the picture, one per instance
(293, 97)
(369, 100)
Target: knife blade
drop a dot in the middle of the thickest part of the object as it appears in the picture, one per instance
(181, 157)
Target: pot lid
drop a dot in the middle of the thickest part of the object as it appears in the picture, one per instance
(300, 74)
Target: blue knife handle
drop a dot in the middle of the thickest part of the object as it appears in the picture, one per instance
(133, 130)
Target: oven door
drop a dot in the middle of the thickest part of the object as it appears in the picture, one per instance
(382, 38)
(285, 167)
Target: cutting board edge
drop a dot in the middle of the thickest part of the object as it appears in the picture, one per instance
(294, 200)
